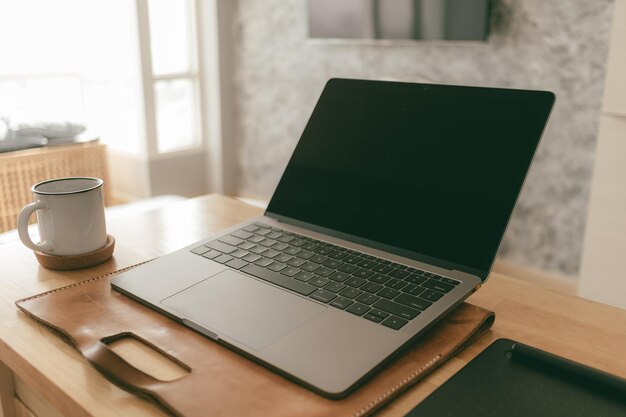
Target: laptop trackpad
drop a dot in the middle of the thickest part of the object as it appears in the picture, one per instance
(243, 308)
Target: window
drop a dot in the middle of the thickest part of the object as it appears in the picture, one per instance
(87, 62)
(171, 72)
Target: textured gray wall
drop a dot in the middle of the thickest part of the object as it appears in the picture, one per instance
(539, 44)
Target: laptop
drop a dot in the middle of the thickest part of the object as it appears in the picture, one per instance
(388, 215)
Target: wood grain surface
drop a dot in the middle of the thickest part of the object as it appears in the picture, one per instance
(52, 371)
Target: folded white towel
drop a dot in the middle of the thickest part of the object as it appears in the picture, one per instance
(48, 129)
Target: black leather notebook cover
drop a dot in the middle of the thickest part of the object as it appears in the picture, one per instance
(512, 379)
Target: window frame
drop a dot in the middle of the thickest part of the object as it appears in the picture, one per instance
(149, 80)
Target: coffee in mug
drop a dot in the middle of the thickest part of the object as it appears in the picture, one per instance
(70, 216)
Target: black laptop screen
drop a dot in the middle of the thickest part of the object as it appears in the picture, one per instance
(433, 171)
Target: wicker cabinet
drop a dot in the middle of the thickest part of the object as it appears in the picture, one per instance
(21, 169)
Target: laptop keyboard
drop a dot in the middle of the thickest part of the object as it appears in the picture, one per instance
(376, 289)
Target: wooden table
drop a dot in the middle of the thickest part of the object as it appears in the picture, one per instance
(42, 375)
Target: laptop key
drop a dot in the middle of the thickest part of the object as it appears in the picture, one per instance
(318, 281)
(268, 242)
(318, 259)
(388, 293)
(398, 285)
(415, 279)
(263, 262)
(395, 323)
(323, 295)
(323, 250)
(295, 261)
(271, 253)
(263, 231)
(372, 317)
(278, 279)
(379, 313)
(392, 282)
(236, 263)
(257, 249)
(337, 254)
(283, 257)
(333, 263)
(341, 302)
(310, 267)
(285, 238)
(290, 271)
(222, 247)
(256, 239)
(223, 258)
(367, 264)
(450, 281)
(246, 245)
(348, 269)
(382, 269)
(350, 292)
(200, 250)
(324, 271)
(305, 254)
(239, 253)
(297, 242)
(212, 254)
(304, 276)
(251, 257)
(431, 295)
(413, 289)
(358, 309)
(398, 273)
(310, 246)
(437, 285)
(273, 235)
(231, 240)
(355, 282)
(280, 246)
(379, 278)
(339, 276)
(292, 250)
(370, 287)
(363, 273)
(399, 310)
(366, 298)
(242, 234)
(411, 301)
(251, 228)
(352, 259)
(277, 266)
(334, 286)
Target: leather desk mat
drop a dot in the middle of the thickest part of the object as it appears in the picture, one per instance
(221, 382)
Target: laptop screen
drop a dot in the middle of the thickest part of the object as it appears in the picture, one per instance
(429, 172)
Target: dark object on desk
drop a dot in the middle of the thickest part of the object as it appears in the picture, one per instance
(223, 383)
(512, 379)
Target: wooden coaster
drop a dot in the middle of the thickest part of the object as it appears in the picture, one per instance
(72, 262)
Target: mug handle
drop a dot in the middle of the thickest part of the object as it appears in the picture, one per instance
(22, 227)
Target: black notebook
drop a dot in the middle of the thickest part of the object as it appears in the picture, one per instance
(512, 379)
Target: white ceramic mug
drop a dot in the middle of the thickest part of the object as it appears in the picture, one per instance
(70, 216)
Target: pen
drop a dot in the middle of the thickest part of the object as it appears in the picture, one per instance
(586, 373)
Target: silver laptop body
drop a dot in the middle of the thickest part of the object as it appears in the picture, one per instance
(281, 315)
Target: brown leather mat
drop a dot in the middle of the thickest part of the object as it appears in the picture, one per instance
(221, 382)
